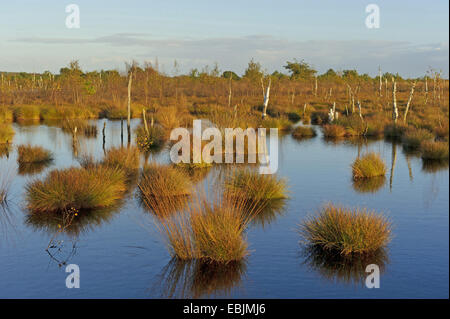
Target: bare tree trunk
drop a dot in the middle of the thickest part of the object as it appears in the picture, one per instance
(130, 79)
(394, 101)
(381, 82)
(409, 101)
(315, 86)
(229, 93)
(266, 97)
(360, 111)
(145, 122)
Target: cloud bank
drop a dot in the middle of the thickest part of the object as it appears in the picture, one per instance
(110, 51)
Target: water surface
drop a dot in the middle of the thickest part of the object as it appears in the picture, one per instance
(121, 254)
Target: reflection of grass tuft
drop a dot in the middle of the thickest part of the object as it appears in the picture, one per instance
(369, 185)
(345, 269)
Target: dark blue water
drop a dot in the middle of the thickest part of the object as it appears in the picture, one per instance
(122, 255)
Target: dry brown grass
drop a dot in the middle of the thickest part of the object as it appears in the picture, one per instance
(28, 154)
(346, 231)
(368, 166)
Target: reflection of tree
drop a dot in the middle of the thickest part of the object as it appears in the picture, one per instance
(199, 279)
(393, 161)
(341, 269)
(369, 185)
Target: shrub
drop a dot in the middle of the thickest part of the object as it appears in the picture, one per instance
(333, 130)
(6, 134)
(434, 150)
(33, 154)
(368, 166)
(303, 131)
(6, 115)
(281, 124)
(293, 117)
(153, 140)
(319, 117)
(346, 231)
(395, 131)
(78, 188)
(412, 138)
(27, 112)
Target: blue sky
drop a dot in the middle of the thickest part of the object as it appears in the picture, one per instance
(412, 37)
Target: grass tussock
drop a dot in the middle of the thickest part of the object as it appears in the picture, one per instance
(333, 131)
(6, 134)
(163, 180)
(434, 150)
(412, 138)
(368, 166)
(78, 188)
(346, 231)
(249, 184)
(303, 132)
(212, 231)
(28, 154)
(126, 158)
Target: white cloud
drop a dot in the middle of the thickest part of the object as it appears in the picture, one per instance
(409, 59)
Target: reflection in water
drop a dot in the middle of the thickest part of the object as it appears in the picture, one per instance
(5, 149)
(33, 168)
(393, 161)
(408, 162)
(7, 221)
(199, 279)
(369, 185)
(341, 269)
(162, 206)
(269, 212)
(433, 166)
(58, 223)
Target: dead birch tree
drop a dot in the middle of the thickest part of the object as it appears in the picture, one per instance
(381, 81)
(229, 90)
(409, 101)
(394, 101)
(130, 80)
(266, 93)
